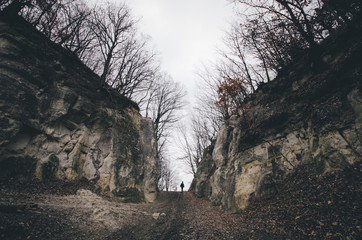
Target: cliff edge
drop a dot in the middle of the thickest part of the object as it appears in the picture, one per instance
(310, 114)
(57, 122)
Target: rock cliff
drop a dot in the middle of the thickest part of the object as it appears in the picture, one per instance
(57, 122)
(310, 114)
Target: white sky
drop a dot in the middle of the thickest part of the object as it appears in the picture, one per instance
(186, 33)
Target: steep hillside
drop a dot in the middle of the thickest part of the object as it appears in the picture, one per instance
(310, 114)
(57, 122)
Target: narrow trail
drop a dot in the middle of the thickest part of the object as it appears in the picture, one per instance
(170, 207)
(81, 214)
(188, 217)
(306, 207)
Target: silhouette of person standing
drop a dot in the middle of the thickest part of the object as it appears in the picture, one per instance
(182, 187)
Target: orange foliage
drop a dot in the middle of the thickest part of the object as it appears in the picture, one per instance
(231, 93)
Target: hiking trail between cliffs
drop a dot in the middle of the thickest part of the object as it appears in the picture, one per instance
(307, 206)
(30, 212)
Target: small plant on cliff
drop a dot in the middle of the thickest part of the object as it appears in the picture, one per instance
(231, 93)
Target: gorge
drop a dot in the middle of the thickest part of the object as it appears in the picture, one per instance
(78, 161)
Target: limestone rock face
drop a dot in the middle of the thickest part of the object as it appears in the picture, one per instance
(306, 115)
(58, 122)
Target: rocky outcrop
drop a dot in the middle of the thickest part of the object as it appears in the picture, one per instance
(58, 122)
(311, 113)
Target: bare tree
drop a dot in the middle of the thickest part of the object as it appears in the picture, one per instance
(205, 106)
(111, 26)
(74, 33)
(186, 145)
(136, 68)
(166, 99)
(168, 178)
(65, 22)
(206, 120)
(296, 14)
(104, 37)
(119, 55)
(271, 34)
(192, 144)
(292, 25)
(161, 101)
(235, 62)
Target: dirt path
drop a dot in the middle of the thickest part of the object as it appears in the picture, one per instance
(306, 207)
(183, 217)
(32, 214)
(85, 215)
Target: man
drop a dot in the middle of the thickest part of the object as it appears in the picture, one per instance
(182, 187)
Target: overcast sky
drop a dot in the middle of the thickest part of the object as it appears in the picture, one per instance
(186, 33)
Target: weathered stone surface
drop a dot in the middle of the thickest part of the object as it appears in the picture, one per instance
(57, 121)
(304, 116)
